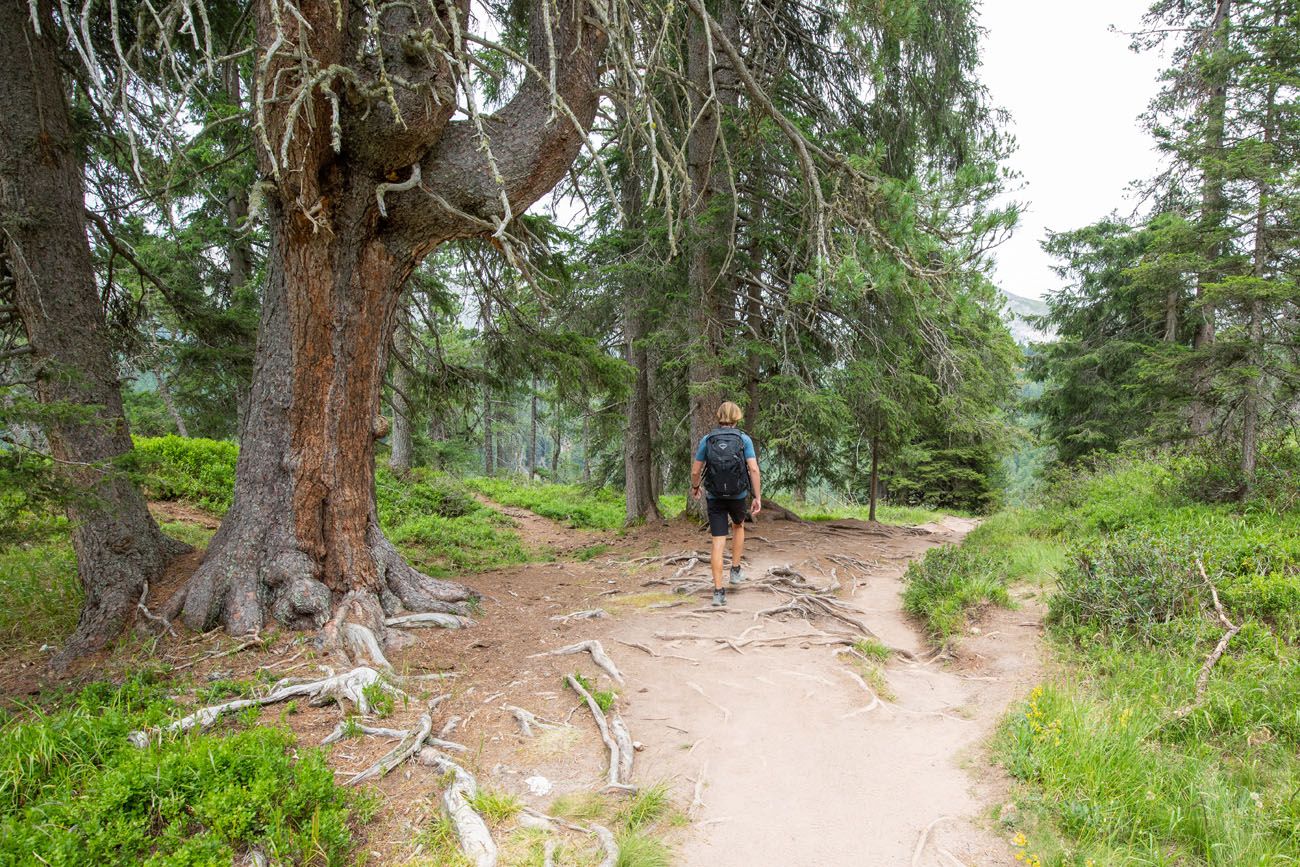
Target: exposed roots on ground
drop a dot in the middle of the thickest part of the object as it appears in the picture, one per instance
(619, 775)
(657, 654)
(924, 838)
(598, 656)
(589, 614)
(472, 832)
(409, 746)
(349, 686)
(528, 719)
(429, 618)
(531, 818)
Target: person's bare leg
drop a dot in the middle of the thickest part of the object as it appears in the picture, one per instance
(737, 544)
(719, 543)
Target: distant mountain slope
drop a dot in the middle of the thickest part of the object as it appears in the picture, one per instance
(1017, 309)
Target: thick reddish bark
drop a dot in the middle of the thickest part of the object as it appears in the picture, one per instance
(119, 548)
(301, 543)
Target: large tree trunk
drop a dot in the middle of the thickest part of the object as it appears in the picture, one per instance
(400, 437)
(1213, 204)
(301, 544)
(118, 546)
(712, 88)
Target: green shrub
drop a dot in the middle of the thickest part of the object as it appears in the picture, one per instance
(199, 471)
(74, 792)
(575, 505)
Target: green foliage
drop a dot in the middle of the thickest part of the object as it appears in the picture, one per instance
(42, 596)
(496, 807)
(74, 791)
(380, 698)
(588, 508)
(199, 471)
(1110, 772)
(954, 580)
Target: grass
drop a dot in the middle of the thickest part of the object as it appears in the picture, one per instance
(1108, 774)
(41, 594)
(953, 582)
(496, 807)
(573, 505)
(74, 792)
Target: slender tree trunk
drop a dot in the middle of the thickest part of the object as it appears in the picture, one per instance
(1250, 403)
(400, 436)
(1171, 316)
(352, 212)
(489, 443)
(1213, 204)
(638, 448)
(586, 438)
(166, 394)
(532, 429)
(42, 212)
(557, 437)
(875, 478)
(712, 89)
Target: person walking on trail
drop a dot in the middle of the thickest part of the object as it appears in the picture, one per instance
(727, 465)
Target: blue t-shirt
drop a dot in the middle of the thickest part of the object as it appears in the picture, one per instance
(703, 451)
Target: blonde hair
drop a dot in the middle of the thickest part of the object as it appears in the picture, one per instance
(729, 413)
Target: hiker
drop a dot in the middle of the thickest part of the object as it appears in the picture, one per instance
(726, 463)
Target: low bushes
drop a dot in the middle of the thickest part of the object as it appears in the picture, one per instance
(73, 792)
(575, 505)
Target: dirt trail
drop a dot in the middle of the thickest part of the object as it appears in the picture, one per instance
(795, 771)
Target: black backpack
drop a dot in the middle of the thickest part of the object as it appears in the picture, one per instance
(725, 471)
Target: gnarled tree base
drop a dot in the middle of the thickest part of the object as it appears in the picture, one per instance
(247, 580)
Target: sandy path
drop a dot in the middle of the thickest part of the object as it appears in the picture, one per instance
(795, 772)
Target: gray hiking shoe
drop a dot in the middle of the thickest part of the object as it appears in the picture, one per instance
(737, 575)
(719, 597)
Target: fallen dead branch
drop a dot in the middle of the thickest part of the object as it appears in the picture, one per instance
(1230, 629)
(349, 686)
(598, 656)
(472, 832)
(430, 618)
(617, 762)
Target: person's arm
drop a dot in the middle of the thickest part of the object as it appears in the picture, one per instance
(697, 468)
(755, 485)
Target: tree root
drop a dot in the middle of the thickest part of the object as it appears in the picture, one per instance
(697, 799)
(349, 686)
(656, 654)
(533, 818)
(399, 753)
(589, 614)
(472, 832)
(1203, 678)
(527, 720)
(925, 836)
(429, 618)
(598, 656)
(362, 645)
(617, 763)
(726, 714)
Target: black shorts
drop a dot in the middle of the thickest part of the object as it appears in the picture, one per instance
(721, 510)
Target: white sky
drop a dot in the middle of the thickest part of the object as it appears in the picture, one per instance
(1074, 91)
